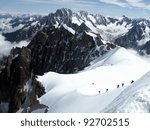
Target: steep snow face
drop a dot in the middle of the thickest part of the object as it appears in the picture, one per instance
(91, 17)
(118, 56)
(93, 35)
(90, 25)
(136, 98)
(77, 21)
(86, 91)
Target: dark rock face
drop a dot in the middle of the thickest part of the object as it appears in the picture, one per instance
(60, 51)
(130, 39)
(13, 77)
(145, 48)
(20, 73)
(52, 49)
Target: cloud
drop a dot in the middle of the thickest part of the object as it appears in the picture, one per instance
(129, 3)
(61, 2)
(139, 4)
(73, 4)
(6, 46)
(115, 2)
(87, 3)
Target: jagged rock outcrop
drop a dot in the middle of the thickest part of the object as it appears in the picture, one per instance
(60, 51)
(52, 49)
(145, 48)
(14, 77)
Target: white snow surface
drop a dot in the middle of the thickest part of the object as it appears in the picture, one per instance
(136, 98)
(91, 34)
(80, 92)
(76, 21)
(34, 23)
(92, 18)
(91, 26)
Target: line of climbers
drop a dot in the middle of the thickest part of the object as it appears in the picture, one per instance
(132, 81)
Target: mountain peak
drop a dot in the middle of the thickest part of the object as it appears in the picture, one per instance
(63, 12)
(83, 13)
(125, 18)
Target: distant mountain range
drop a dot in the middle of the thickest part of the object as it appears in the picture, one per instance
(123, 31)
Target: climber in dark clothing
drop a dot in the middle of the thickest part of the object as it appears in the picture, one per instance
(132, 81)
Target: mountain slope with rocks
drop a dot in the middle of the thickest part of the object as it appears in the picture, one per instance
(123, 31)
(52, 49)
(63, 42)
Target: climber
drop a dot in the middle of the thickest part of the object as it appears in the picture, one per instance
(117, 86)
(132, 81)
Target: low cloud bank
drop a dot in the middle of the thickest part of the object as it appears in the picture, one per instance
(6, 46)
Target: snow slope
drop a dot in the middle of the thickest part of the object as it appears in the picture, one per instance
(86, 91)
(136, 98)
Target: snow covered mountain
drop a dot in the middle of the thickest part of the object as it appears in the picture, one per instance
(46, 62)
(123, 31)
(16, 28)
(112, 81)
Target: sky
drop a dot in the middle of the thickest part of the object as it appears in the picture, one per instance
(130, 8)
